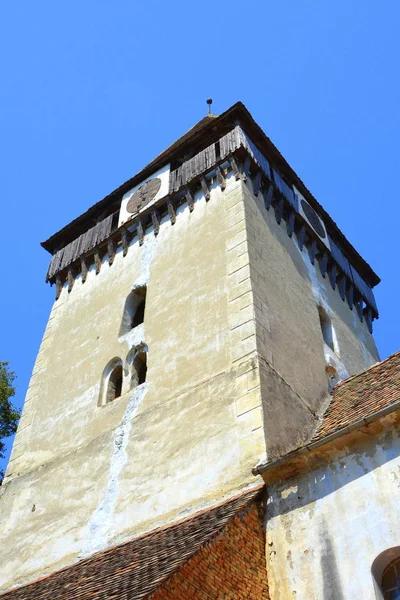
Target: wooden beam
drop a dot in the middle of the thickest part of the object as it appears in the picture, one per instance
(332, 272)
(279, 210)
(235, 168)
(268, 197)
(140, 232)
(301, 236)
(257, 183)
(70, 279)
(171, 212)
(342, 286)
(323, 264)
(189, 199)
(111, 251)
(290, 223)
(59, 287)
(156, 222)
(84, 269)
(246, 168)
(97, 260)
(125, 240)
(312, 250)
(368, 317)
(350, 295)
(221, 178)
(359, 307)
(205, 189)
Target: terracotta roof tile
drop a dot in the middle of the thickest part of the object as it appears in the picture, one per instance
(135, 569)
(361, 396)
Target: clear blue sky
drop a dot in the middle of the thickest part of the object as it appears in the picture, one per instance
(92, 91)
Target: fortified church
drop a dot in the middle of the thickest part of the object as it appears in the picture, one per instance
(207, 416)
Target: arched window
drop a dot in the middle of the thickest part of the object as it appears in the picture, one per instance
(111, 382)
(134, 309)
(391, 581)
(386, 574)
(139, 370)
(326, 328)
(137, 362)
(114, 387)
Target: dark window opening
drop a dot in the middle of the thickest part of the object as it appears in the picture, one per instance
(139, 370)
(134, 310)
(114, 387)
(138, 317)
(326, 328)
(391, 581)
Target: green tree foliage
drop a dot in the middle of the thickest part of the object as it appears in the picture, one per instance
(9, 415)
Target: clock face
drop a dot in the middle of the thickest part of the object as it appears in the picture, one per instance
(313, 219)
(145, 194)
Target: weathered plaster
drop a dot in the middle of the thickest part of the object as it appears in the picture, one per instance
(327, 524)
(99, 475)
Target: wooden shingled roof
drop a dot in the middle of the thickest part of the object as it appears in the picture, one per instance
(134, 570)
(361, 396)
(206, 131)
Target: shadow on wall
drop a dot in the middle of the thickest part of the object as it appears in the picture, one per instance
(335, 474)
(329, 571)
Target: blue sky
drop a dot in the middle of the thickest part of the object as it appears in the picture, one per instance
(92, 91)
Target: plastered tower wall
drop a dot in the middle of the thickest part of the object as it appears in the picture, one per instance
(82, 476)
(287, 290)
(236, 376)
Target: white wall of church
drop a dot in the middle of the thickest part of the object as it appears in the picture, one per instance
(326, 527)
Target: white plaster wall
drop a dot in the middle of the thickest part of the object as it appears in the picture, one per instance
(325, 528)
(83, 477)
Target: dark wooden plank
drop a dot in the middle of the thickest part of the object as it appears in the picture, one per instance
(111, 251)
(221, 178)
(246, 168)
(125, 235)
(332, 272)
(97, 260)
(323, 264)
(70, 279)
(204, 187)
(359, 304)
(59, 287)
(140, 232)
(290, 223)
(257, 183)
(301, 236)
(235, 167)
(156, 222)
(189, 199)
(312, 250)
(341, 282)
(279, 210)
(268, 196)
(350, 295)
(84, 269)
(171, 212)
(368, 317)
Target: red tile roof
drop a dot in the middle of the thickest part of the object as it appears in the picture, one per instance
(135, 569)
(361, 396)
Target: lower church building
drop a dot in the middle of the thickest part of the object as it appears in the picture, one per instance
(208, 416)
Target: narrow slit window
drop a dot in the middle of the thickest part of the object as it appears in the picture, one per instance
(326, 328)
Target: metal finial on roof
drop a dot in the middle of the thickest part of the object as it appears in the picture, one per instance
(209, 102)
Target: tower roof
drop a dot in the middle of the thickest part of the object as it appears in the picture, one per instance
(197, 138)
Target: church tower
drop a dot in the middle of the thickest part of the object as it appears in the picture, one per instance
(203, 312)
